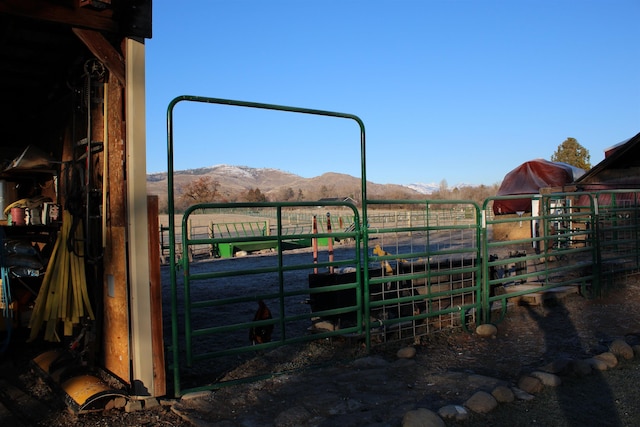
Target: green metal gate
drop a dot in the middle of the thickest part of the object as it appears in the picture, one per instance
(390, 271)
(213, 317)
(218, 322)
(538, 253)
(430, 254)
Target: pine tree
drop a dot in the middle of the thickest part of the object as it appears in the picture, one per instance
(571, 152)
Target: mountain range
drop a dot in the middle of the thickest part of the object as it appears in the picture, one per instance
(272, 182)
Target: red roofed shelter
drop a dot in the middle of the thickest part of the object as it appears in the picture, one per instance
(529, 178)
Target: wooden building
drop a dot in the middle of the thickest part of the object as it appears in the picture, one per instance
(72, 106)
(619, 170)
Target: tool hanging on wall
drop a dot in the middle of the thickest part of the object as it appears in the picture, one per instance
(94, 94)
(63, 296)
(5, 300)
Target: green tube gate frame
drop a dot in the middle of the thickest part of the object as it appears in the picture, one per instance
(584, 239)
(171, 190)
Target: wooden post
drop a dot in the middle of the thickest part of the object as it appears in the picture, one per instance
(116, 303)
(155, 281)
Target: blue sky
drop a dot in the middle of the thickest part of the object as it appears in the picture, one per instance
(460, 90)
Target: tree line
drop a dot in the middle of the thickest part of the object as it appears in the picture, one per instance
(205, 189)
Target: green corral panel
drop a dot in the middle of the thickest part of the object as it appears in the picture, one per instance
(227, 250)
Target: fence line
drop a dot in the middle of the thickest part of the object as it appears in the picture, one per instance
(430, 266)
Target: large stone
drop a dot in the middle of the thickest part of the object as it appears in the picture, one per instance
(481, 402)
(406, 353)
(547, 379)
(620, 348)
(503, 394)
(454, 412)
(530, 384)
(597, 364)
(521, 394)
(422, 417)
(609, 358)
(487, 330)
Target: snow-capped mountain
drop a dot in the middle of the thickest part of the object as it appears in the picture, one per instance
(424, 188)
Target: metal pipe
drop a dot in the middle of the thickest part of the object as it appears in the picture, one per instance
(314, 243)
(330, 242)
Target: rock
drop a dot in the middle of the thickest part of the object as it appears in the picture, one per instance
(453, 412)
(596, 364)
(149, 403)
(521, 394)
(530, 384)
(196, 395)
(547, 379)
(406, 353)
(581, 368)
(609, 358)
(503, 394)
(487, 330)
(422, 417)
(121, 402)
(481, 402)
(620, 348)
(636, 349)
(133, 405)
(324, 325)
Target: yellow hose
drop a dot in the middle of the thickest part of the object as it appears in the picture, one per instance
(63, 295)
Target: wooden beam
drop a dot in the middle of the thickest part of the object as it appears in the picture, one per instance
(155, 281)
(104, 51)
(54, 12)
(116, 343)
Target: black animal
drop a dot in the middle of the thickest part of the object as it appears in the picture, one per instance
(261, 334)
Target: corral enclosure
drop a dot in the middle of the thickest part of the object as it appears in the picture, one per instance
(430, 266)
(311, 294)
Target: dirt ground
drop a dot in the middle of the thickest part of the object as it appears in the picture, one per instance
(528, 338)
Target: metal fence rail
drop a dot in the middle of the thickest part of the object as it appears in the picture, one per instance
(618, 231)
(416, 270)
(402, 270)
(218, 311)
(430, 259)
(530, 255)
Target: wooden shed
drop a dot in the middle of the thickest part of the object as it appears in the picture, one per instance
(72, 91)
(619, 170)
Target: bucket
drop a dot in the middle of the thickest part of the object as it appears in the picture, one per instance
(8, 193)
(17, 216)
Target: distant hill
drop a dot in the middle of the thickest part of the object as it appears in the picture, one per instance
(235, 180)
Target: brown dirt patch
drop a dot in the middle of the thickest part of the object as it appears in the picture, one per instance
(528, 338)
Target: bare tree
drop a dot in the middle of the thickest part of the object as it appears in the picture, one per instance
(286, 194)
(255, 195)
(200, 190)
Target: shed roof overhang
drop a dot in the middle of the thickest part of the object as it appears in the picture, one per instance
(44, 43)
